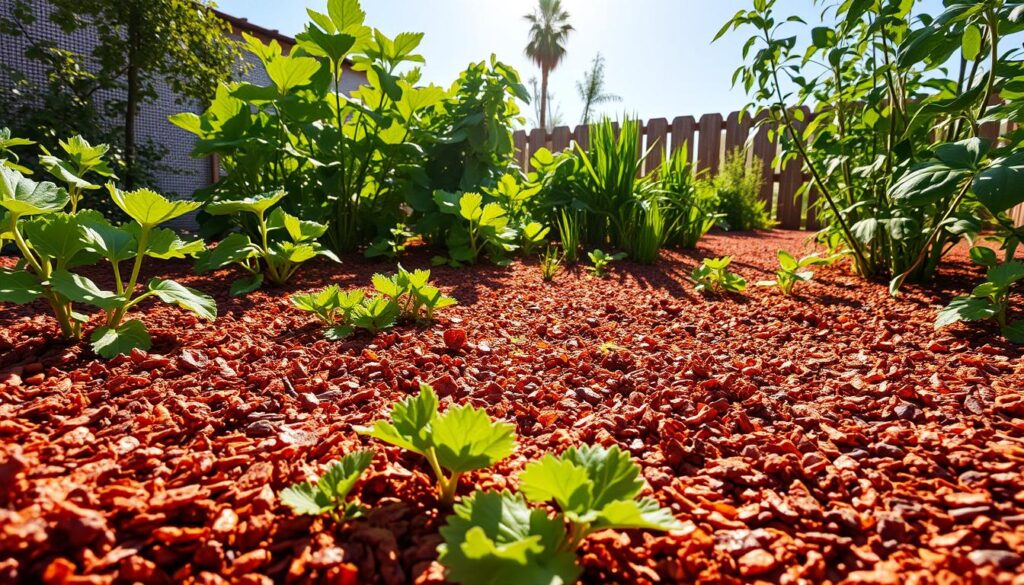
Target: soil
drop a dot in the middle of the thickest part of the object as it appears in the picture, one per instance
(832, 436)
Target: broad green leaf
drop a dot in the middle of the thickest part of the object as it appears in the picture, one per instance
(787, 261)
(644, 513)
(387, 286)
(1000, 186)
(345, 14)
(535, 231)
(927, 184)
(984, 256)
(965, 154)
(332, 489)
(246, 285)
(281, 252)
(113, 243)
(465, 439)
(58, 236)
(410, 419)
(256, 204)
(23, 196)
(165, 244)
(234, 248)
(62, 171)
(150, 208)
(187, 298)
(19, 286)
(108, 342)
(718, 263)
(553, 478)
(469, 206)
(614, 474)
(1014, 332)
(1005, 274)
(965, 309)
(338, 332)
(971, 42)
(325, 44)
(320, 301)
(494, 216)
(83, 290)
(299, 230)
(288, 73)
(497, 539)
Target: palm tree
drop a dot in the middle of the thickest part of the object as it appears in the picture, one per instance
(549, 29)
(591, 89)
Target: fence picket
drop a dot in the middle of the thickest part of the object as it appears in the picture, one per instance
(709, 143)
(764, 149)
(657, 137)
(538, 140)
(519, 143)
(560, 138)
(682, 133)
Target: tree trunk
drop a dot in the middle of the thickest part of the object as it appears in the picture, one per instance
(544, 98)
(132, 99)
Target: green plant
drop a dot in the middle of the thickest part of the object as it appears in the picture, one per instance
(461, 439)
(551, 263)
(498, 534)
(990, 299)
(285, 242)
(688, 205)
(790, 273)
(480, 227)
(712, 276)
(329, 494)
(569, 234)
(600, 262)
(390, 246)
(9, 158)
(738, 188)
(651, 231)
(82, 159)
(903, 87)
(405, 295)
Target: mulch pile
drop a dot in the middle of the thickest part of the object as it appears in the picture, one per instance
(830, 437)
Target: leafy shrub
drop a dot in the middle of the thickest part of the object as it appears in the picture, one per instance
(284, 243)
(712, 276)
(689, 206)
(479, 227)
(790, 273)
(461, 439)
(498, 533)
(737, 188)
(406, 295)
(990, 299)
(651, 231)
(330, 492)
(600, 261)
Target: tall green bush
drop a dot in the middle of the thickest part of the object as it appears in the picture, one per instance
(737, 188)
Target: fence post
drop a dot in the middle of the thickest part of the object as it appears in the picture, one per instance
(538, 140)
(560, 138)
(582, 136)
(682, 133)
(709, 143)
(737, 128)
(657, 136)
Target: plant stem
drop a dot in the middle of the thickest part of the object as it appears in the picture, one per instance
(115, 318)
(934, 234)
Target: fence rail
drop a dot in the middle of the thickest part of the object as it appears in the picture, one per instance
(709, 138)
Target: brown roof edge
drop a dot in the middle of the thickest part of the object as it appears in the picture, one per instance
(243, 25)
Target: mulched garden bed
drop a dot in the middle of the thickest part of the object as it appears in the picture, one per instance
(834, 436)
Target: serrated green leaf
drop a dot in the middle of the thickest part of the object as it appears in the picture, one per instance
(288, 73)
(305, 498)
(345, 14)
(165, 244)
(409, 423)
(57, 236)
(465, 439)
(469, 206)
(187, 298)
(558, 479)
(1005, 274)
(1014, 332)
(615, 476)
(19, 286)
(965, 309)
(232, 249)
(110, 242)
(338, 332)
(644, 514)
(22, 196)
(256, 204)
(246, 285)
(150, 208)
(341, 476)
(83, 290)
(108, 342)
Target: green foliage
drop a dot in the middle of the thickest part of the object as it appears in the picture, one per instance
(790, 273)
(898, 162)
(600, 262)
(713, 276)
(284, 243)
(329, 494)
(569, 234)
(737, 188)
(551, 263)
(688, 206)
(498, 538)
(461, 439)
(990, 299)
(478, 227)
(8, 157)
(404, 296)
(81, 159)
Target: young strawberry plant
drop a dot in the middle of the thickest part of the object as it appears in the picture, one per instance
(133, 242)
(329, 494)
(990, 299)
(482, 227)
(600, 262)
(712, 276)
(790, 273)
(333, 307)
(592, 487)
(459, 440)
(412, 292)
(80, 159)
(285, 242)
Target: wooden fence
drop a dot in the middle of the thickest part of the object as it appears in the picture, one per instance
(709, 138)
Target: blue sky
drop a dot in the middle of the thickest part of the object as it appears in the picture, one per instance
(659, 56)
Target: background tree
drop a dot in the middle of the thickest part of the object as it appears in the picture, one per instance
(591, 89)
(139, 43)
(553, 116)
(549, 30)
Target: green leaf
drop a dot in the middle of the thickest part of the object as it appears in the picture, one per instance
(187, 298)
(150, 208)
(19, 286)
(83, 290)
(165, 244)
(614, 474)
(288, 73)
(108, 342)
(281, 252)
(22, 196)
(234, 248)
(1014, 332)
(644, 513)
(257, 204)
(345, 14)
(387, 286)
(332, 489)
(497, 539)
(965, 309)
(326, 44)
(100, 237)
(984, 256)
(338, 332)
(298, 230)
(246, 285)
(1005, 274)
(927, 184)
(58, 236)
(971, 42)
(305, 498)
(1000, 186)
(469, 206)
(965, 154)
(493, 215)
(558, 479)
(410, 419)
(466, 439)
(787, 261)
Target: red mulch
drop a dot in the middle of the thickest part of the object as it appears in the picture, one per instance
(835, 436)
